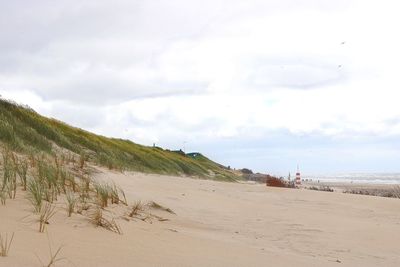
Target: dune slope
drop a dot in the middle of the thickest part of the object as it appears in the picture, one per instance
(25, 131)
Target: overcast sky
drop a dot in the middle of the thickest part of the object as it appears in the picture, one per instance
(256, 83)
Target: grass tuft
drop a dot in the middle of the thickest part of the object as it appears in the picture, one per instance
(5, 245)
(71, 201)
(97, 218)
(45, 215)
(35, 194)
(136, 208)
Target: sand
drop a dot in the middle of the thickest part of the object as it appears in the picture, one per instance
(216, 224)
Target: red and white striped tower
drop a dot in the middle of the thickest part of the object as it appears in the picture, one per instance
(298, 178)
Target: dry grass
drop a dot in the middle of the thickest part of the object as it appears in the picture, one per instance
(45, 215)
(103, 193)
(54, 257)
(141, 211)
(97, 218)
(5, 245)
(136, 208)
(155, 205)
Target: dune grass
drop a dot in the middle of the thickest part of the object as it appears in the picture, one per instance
(51, 177)
(71, 201)
(97, 218)
(47, 212)
(54, 257)
(136, 208)
(25, 131)
(5, 244)
(3, 197)
(35, 194)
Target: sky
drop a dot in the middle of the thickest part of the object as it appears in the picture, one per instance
(259, 84)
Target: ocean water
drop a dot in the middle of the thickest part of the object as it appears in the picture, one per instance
(365, 178)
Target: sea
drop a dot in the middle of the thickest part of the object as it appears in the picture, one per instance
(364, 178)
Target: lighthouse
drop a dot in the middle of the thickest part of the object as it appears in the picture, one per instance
(298, 178)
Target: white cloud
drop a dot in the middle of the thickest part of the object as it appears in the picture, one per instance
(168, 71)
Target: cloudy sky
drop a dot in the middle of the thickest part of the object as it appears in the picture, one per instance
(257, 83)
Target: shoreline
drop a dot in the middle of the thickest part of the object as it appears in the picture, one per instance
(349, 185)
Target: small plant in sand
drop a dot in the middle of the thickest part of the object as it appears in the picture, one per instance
(125, 202)
(35, 194)
(71, 201)
(5, 245)
(82, 159)
(9, 174)
(113, 191)
(45, 215)
(85, 184)
(70, 178)
(62, 180)
(155, 205)
(54, 257)
(103, 194)
(97, 218)
(136, 208)
(22, 171)
(83, 199)
(3, 197)
(141, 211)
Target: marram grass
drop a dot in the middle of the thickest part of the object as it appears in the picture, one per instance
(24, 130)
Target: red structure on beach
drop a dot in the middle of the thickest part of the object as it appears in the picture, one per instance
(298, 178)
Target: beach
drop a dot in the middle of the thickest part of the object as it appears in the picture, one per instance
(215, 224)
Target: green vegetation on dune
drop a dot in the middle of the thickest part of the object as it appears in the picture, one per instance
(25, 131)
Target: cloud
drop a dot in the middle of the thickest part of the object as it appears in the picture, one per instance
(212, 71)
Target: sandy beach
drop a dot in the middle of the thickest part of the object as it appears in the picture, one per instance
(216, 224)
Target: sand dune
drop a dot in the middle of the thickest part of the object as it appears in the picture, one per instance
(216, 224)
